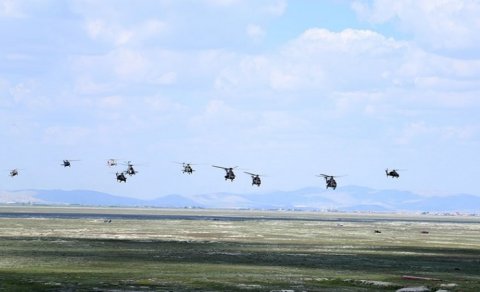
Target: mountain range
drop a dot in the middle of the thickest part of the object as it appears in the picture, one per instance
(348, 198)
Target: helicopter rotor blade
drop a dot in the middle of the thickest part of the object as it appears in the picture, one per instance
(254, 174)
(325, 175)
(130, 163)
(220, 167)
(186, 163)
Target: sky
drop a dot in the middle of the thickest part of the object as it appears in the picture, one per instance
(288, 89)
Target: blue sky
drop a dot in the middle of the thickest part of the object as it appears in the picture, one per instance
(284, 88)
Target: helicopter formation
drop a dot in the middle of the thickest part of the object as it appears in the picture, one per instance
(121, 175)
(187, 168)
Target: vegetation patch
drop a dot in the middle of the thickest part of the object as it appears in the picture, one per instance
(248, 255)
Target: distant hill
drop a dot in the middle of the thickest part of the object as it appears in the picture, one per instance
(348, 198)
(84, 197)
(90, 198)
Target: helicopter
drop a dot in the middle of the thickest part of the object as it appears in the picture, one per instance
(121, 177)
(329, 180)
(14, 172)
(130, 170)
(393, 173)
(255, 178)
(67, 162)
(187, 167)
(112, 162)
(229, 172)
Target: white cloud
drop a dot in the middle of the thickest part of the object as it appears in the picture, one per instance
(119, 35)
(255, 32)
(279, 122)
(85, 85)
(462, 133)
(11, 8)
(95, 28)
(222, 2)
(277, 7)
(439, 25)
(20, 92)
(167, 78)
(218, 106)
(164, 104)
(129, 64)
(96, 73)
(364, 102)
(285, 80)
(319, 41)
(359, 62)
(412, 131)
(25, 94)
(434, 134)
(220, 117)
(320, 59)
(111, 102)
(62, 135)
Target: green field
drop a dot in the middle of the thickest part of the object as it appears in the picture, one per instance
(297, 251)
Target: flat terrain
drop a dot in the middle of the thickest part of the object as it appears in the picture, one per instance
(74, 249)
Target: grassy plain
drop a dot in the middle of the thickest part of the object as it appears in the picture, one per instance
(297, 251)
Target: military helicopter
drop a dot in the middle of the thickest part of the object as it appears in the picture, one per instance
(255, 178)
(187, 167)
(229, 172)
(121, 177)
(14, 172)
(130, 170)
(329, 180)
(112, 162)
(67, 162)
(393, 173)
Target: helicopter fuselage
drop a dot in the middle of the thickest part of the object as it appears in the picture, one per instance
(331, 183)
(256, 181)
(121, 177)
(229, 174)
(393, 173)
(130, 170)
(187, 169)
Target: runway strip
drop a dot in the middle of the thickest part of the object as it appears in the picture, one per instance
(59, 215)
